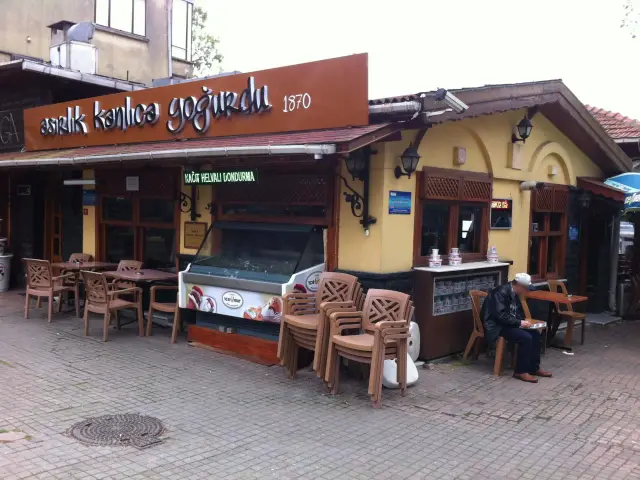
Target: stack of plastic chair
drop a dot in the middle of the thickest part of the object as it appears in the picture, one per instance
(304, 315)
(379, 331)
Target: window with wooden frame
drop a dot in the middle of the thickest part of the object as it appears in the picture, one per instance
(547, 232)
(139, 225)
(452, 211)
(301, 197)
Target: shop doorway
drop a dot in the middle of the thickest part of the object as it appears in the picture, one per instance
(63, 217)
(27, 212)
(595, 254)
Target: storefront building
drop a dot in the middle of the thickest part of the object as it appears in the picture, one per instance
(32, 200)
(541, 203)
(257, 179)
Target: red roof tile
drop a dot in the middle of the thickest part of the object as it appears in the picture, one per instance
(334, 136)
(617, 125)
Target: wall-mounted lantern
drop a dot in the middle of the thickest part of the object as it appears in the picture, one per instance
(409, 159)
(357, 164)
(585, 200)
(524, 128)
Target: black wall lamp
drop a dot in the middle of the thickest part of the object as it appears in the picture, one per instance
(357, 163)
(409, 158)
(585, 200)
(524, 128)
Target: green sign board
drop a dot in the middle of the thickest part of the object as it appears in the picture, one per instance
(209, 178)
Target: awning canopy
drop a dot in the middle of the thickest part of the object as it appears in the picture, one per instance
(629, 184)
(314, 142)
(598, 187)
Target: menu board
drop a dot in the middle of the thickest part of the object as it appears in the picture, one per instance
(194, 233)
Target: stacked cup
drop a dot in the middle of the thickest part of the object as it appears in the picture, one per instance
(492, 255)
(454, 257)
(435, 259)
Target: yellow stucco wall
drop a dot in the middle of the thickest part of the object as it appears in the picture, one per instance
(203, 198)
(89, 220)
(487, 141)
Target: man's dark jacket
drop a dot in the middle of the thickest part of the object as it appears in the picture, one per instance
(502, 308)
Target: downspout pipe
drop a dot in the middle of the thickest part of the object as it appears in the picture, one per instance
(613, 273)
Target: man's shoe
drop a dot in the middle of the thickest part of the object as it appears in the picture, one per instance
(543, 373)
(525, 377)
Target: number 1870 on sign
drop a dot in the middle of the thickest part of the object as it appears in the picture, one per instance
(296, 102)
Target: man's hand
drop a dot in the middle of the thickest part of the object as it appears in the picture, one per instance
(525, 324)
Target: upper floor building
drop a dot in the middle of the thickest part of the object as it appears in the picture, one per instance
(137, 41)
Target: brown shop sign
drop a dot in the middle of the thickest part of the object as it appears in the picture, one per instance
(326, 94)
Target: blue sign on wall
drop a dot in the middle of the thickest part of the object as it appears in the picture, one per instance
(399, 203)
(573, 233)
(88, 198)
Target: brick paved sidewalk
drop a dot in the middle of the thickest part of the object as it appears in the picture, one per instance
(230, 419)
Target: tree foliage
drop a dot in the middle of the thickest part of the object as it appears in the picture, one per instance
(206, 57)
(631, 17)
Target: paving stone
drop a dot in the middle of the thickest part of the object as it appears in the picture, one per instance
(228, 418)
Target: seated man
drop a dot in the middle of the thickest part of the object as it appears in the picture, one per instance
(503, 316)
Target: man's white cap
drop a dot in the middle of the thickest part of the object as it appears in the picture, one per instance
(523, 279)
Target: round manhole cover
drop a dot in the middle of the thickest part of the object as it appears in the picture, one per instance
(111, 430)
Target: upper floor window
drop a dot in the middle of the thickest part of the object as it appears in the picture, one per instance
(126, 15)
(181, 29)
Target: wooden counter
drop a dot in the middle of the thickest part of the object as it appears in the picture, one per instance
(443, 307)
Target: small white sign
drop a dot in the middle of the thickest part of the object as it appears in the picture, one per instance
(232, 299)
(133, 184)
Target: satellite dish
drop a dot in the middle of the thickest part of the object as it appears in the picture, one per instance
(81, 32)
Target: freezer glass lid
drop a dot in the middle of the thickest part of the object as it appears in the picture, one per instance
(259, 251)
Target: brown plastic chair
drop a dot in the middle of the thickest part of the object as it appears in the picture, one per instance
(80, 257)
(567, 312)
(70, 277)
(478, 334)
(42, 283)
(75, 257)
(125, 266)
(303, 319)
(164, 307)
(101, 300)
(382, 332)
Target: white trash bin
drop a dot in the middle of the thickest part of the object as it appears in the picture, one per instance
(5, 271)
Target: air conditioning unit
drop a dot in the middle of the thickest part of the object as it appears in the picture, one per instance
(70, 47)
(78, 56)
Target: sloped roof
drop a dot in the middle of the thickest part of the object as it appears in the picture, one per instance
(552, 98)
(341, 140)
(617, 125)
